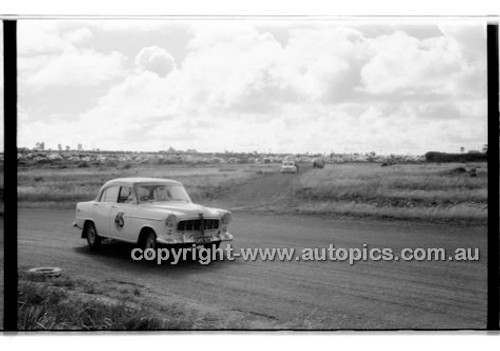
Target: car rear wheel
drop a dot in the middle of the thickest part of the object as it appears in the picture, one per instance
(93, 240)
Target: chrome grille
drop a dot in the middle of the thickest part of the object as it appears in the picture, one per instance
(195, 224)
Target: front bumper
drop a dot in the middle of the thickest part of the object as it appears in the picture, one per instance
(195, 240)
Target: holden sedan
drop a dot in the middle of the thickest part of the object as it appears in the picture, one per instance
(149, 212)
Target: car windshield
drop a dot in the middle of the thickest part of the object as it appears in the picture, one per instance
(161, 192)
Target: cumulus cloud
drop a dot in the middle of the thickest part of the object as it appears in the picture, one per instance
(77, 68)
(404, 65)
(323, 63)
(51, 55)
(470, 38)
(227, 67)
(156, 59)
(238, 88)
(236, 68)
(39, 37)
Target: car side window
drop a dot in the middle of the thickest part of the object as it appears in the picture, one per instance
(110, 194)
(126, 195)
(143, 193)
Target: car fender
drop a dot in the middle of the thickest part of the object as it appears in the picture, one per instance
(80, 224)
(148, 226)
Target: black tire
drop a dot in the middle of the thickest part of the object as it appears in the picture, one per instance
(50, 272)
(93, 239)
(148, 241)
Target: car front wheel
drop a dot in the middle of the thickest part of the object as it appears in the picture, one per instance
(149, 241)
(93, 240)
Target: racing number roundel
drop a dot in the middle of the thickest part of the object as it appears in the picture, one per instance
(119, 221)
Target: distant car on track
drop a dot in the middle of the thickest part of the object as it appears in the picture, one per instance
(289, 165)
(150, 211)
(318, 162)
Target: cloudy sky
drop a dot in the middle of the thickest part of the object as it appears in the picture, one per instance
(279, 85)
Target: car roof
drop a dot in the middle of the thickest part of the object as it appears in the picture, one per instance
(138, 180)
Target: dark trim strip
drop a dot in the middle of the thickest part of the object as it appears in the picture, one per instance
(10, 174)
(493, 195)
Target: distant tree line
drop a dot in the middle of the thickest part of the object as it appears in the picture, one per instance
(434, 156)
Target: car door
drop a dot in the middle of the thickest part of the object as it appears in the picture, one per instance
(103, 208)
(120, 224)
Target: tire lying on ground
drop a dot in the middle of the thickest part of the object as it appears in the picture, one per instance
(45, 271)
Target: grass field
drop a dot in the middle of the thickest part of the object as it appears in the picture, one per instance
(425, 191)
(64, 187)
(407, 191)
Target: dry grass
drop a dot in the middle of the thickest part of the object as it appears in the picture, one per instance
(69, 185)
(419, 183)
(463, 213)
(444, 192)
(412, 191)
(64, 303)
(46, 306)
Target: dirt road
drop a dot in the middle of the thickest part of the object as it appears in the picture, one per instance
(275, 188)
(317, 294)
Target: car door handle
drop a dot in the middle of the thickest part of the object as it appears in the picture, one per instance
(113, 206)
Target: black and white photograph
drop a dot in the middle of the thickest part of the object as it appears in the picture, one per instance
(251, 174)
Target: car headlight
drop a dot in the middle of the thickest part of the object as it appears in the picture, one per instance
(171, 220)
(226, 218)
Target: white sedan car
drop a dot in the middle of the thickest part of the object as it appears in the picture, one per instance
(150, 211)
(289, 167)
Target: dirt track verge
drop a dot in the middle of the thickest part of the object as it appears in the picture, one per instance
(64, 303)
